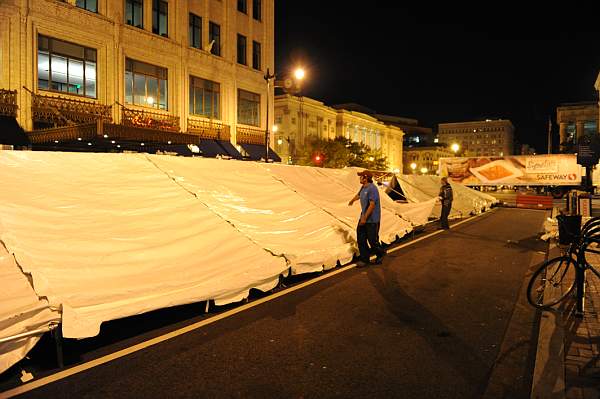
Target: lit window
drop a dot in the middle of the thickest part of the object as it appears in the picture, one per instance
(66, 67)
(145, 84)
(205, 98)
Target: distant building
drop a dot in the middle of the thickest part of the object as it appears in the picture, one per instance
(413, 133)
(424, 159)
(479, 138)
(576, 120)
(299, 118)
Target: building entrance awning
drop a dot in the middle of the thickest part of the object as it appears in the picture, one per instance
(256, 152)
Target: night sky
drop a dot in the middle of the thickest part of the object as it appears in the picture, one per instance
(444, 64)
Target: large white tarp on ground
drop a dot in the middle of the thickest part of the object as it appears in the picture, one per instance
(421, 188)
(324, 189)
(21, 311)
(417, 213)
(265, 210)
(110, 235)
(105, 236)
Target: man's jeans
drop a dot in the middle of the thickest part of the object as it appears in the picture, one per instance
(368, 233)
(445, 212)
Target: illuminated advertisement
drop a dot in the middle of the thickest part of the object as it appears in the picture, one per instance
(518, 170)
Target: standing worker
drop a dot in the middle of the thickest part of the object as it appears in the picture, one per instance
(446, 198)
(367, 231)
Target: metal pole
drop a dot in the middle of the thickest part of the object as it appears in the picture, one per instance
(268, 78)
(580, 287)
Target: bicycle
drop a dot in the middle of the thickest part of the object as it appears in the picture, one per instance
(555, 279)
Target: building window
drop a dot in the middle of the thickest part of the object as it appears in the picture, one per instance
(90, 5)
(248, 108)
(590, 128)
(145, 84)
(195, 31)
(205, 98)
(160, 17)
(241, 49)
(214, 33)
(134, 13)
(256, 55)
(66, 67)
(257, 10)
(243, 6)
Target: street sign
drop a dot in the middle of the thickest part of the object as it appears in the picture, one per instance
(587, 154)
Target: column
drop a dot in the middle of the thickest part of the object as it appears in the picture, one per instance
(579, 130)
(563, 134)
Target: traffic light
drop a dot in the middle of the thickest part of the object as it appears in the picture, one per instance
(318, 159)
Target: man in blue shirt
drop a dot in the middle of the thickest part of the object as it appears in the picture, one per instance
(367, 231)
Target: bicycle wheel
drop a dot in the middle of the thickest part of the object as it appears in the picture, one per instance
(552, 282)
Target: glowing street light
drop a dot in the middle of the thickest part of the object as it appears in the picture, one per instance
(423, 170)
(455, 147)
(413, 166)
(299, 73)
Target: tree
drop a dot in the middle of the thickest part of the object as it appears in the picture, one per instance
(340, 152)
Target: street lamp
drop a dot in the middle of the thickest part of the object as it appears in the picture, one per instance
(413, 166)
(423, 170)
(270, 78)
(455, 147)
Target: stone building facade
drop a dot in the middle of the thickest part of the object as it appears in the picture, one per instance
(479, 138)
(299, 118)
(176, 66)
(576, 120)
(425, 159)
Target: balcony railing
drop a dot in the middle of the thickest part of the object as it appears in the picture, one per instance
(63, 111)
(150, 120)
(250, 135)
(86, 131)
(8, 103)
(208, 129)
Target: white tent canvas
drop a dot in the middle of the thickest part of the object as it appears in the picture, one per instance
(106, 236)
(265, 210)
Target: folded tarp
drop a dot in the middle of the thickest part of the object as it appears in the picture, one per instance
(21, 311)
(111, 235)
(420, 188)
(265, 210)
(320, 187)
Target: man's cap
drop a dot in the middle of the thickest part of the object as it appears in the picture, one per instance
(365, 173)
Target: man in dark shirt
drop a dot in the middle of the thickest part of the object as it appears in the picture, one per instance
(446, 198)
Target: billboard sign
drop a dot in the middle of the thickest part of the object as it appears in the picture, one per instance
(518, 170)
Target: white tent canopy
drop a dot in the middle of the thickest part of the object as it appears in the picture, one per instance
(106, 236)
(421, 188)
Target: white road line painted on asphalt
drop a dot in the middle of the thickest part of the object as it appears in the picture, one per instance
(143, 345)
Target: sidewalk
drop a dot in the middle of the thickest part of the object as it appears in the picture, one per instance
(582, 343)
(568, 354)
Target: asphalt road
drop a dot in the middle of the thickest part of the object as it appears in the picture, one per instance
(430, 322)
